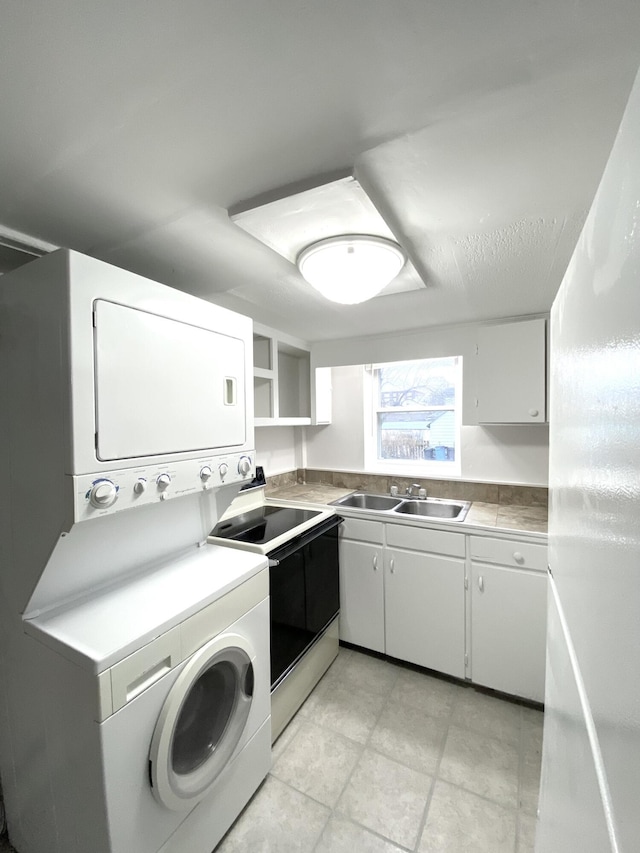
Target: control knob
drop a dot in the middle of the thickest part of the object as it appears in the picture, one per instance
(103, 493)
(163, 482)
(223, 470)
(139, 486)
(205, 473)
(244, 465)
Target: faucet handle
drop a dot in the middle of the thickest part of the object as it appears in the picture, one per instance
(422, 494)
(394, 491)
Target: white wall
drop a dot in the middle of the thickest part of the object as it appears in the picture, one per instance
(507, 454)
(279, 449)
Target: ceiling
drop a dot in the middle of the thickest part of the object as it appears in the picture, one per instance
(478, 128)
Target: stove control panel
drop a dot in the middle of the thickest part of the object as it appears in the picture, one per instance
(104, 494)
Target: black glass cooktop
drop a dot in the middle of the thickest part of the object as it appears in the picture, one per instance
(262, 524)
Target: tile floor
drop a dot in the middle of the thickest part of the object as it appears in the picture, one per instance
(382, 758)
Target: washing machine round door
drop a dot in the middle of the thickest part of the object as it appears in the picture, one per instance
(201, 721)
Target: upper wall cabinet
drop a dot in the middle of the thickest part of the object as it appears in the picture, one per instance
(281, 379)
(511, 373)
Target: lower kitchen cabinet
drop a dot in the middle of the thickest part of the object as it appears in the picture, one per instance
(509, 616)
(362, 595)
(424, 610)
(465, 605)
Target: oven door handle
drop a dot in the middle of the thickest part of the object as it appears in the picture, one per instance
(302, 539)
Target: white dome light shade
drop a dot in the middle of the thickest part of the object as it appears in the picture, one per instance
(351, 268)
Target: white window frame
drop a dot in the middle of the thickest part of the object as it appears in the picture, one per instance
(406, 467)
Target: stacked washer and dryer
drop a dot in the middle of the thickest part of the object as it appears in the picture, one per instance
(134, 657)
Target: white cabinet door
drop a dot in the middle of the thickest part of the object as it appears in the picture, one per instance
(511, 381)
(508, 629)
(362, 595)
(424, 596)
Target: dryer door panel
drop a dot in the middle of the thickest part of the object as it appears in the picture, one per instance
(164, 386)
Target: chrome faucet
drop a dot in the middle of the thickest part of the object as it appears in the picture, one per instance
(413, 490)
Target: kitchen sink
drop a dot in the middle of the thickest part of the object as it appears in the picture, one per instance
(422, 508)
(435, 508)
(360, 500)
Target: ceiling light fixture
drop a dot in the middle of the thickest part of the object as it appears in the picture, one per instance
(351, 268)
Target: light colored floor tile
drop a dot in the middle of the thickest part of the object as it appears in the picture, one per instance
(488, 715)
(465, 823)
(530, 759)
(278, 820)
(369, 673)
(481, 764)
(526, 833)
(342, 836)
(532, 725)
(318, 763)
(409, 736)
(530, 781)
(386, 797)
(285, 738)
(434, 696)
(331, 677)
(350, 711)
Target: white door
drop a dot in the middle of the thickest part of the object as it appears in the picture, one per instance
(424, 597)
(164, 386)
(508, 630)
(362, 595)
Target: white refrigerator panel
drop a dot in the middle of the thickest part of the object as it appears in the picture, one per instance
(164, 386)
(594, 530)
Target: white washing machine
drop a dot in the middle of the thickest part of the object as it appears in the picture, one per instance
(179, 735)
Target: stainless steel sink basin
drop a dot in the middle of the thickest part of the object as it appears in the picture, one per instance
(423, 508)
(435, 508)
(360, 500)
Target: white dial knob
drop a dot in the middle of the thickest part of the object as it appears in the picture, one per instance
(244, 465)
(205, 473)
(140, 486)
(163, 482)
(103, 493)
(223, 470)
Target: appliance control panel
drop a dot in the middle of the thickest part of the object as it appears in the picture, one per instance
(113, 491)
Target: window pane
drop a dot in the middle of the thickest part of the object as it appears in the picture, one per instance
(414, 384)
(421, 435)
(416, 417)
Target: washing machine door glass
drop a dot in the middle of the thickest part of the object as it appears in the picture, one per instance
(201, 722)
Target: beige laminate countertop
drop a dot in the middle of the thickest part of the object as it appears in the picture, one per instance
(527, 519)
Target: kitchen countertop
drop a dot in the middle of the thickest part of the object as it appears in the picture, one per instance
(512, 518)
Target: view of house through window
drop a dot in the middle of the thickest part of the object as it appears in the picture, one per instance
(416, 410)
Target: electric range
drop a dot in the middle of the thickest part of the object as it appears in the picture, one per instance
(301, 542)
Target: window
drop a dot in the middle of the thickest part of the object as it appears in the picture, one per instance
(415, 410)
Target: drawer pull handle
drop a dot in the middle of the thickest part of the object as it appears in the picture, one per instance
(518, 557)
(481, 583)
(375, 562)
(392, 566)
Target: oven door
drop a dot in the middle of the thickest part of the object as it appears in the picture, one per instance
(304, 591)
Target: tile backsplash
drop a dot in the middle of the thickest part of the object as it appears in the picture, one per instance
(493, 493)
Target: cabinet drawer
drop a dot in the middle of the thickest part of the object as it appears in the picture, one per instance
(425, 539)
(509, 552)
(361, 530)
